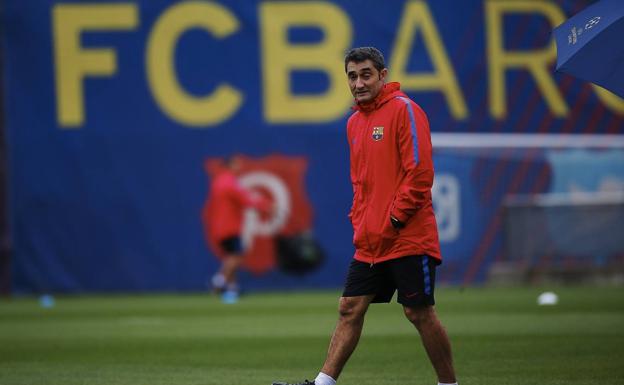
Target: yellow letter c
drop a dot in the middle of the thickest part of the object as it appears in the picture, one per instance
(178, 104)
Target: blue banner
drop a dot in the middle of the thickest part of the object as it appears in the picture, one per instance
(114, 107)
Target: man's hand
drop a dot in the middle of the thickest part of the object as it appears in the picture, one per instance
(397, 224)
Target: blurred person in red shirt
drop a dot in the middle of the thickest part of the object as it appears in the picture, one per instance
(225, 217)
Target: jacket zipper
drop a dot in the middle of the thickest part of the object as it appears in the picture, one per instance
(364, 171)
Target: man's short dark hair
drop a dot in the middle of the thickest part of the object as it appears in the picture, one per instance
(361, 54)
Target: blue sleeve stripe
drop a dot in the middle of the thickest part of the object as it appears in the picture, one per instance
(413, 126)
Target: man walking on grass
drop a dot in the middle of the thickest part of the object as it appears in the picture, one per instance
(395, 233)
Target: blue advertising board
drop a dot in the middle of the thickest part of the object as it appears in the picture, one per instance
(113, 107)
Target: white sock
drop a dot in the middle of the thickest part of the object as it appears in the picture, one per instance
(444, 383)
(324, 379)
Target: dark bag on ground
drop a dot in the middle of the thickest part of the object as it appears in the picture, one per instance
(298, 254)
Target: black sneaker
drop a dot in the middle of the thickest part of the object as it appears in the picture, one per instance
(306, 382)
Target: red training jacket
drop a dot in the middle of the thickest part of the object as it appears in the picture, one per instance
(392, 174)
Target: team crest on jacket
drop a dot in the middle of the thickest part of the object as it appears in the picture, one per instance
(377, 133)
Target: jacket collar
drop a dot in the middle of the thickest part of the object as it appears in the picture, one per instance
(389, 91)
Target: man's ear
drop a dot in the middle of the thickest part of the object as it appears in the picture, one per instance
(383, 74)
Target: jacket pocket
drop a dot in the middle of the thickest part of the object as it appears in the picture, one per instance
(375, 234)
(359, 237)
(388, 234)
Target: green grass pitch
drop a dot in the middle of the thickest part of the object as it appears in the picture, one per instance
(499, 336)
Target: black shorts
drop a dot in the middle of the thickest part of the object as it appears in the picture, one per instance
(412, 276)
(232, 245)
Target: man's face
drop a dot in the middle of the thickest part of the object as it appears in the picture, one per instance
(365, 82)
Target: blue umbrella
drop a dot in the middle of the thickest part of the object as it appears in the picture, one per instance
(590, 45)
